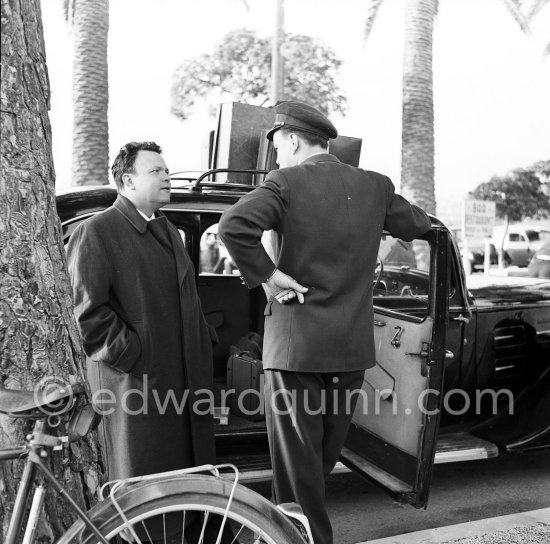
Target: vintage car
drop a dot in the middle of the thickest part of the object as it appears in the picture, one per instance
(463, 372)
(519, 242)
(474, 259)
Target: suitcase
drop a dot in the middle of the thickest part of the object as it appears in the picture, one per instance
(245, 375)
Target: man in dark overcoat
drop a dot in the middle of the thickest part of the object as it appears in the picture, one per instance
(147, 343)
(327, 219)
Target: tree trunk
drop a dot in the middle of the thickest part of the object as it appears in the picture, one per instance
(277, 61)
(38, 334)
(90, 158)
(417, 153)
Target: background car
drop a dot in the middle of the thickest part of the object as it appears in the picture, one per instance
(539, 266)
(473, 261)
(519, 242)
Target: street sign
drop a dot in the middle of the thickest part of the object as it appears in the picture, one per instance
(478, 220)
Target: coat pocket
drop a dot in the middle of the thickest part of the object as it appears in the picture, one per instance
(140, 366)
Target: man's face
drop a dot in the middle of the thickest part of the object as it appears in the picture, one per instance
(150, 182)
(284, 148)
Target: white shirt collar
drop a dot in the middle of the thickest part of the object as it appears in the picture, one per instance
(145, 217)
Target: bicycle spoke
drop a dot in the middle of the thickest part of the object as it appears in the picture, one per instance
(183, 528)
(237, 535)
(201, 538)
(146, 531)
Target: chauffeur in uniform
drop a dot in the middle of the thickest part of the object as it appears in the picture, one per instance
(327, 219)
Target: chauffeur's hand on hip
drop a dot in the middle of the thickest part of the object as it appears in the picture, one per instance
(284, 288)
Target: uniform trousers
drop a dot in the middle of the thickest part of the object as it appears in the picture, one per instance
(308, 416)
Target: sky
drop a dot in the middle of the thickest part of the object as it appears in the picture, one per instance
(491, 82)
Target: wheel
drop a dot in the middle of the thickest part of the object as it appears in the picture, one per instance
(187, 510)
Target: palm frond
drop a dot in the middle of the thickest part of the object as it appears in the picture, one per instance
(536, 6)
(515, 7)
(372, 11)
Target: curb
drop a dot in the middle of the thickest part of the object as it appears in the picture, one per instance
(469, 529)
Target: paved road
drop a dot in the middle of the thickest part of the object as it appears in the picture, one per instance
(460, 492)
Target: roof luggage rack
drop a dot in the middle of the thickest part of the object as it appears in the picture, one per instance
(197, 183)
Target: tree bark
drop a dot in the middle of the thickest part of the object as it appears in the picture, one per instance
(90, 156)
(277, 61)
(38, 334)
(417, 153)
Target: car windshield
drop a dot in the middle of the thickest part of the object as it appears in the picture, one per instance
(402, 276)
(405, 255)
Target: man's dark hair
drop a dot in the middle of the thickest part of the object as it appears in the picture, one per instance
(309, 137)
(124, 162)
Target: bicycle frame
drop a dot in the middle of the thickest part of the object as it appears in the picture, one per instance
(33, 453)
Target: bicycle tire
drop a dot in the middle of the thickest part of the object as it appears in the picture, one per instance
(258, 517)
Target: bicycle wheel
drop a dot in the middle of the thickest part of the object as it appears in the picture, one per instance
(188, 510)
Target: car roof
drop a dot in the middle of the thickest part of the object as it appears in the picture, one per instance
(521, 228)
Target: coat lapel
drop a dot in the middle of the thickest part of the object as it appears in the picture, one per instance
(130, 213)
(183, 262)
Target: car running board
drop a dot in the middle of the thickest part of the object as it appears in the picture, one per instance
(462, 446)
(450, 448)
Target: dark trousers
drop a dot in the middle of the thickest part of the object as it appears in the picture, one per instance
(308, 415)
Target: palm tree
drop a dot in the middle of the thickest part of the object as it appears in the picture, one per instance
(90, 154)
(417, 134)
(38, 335)
(417, 140)
(277, 62)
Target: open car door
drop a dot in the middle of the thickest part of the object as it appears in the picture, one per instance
(393, 433)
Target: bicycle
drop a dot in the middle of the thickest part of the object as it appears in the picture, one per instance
(154, 508)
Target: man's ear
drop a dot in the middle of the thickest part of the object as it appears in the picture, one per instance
(128, 182)
(295, 142)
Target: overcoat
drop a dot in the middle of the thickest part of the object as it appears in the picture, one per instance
(147, 343)
(328, 219)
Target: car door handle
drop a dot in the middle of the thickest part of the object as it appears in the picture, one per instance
(396, 340)
(461, 319)
(449, 354)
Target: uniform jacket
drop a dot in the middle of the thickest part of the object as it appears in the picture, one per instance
(145, 339)
(328, 219)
